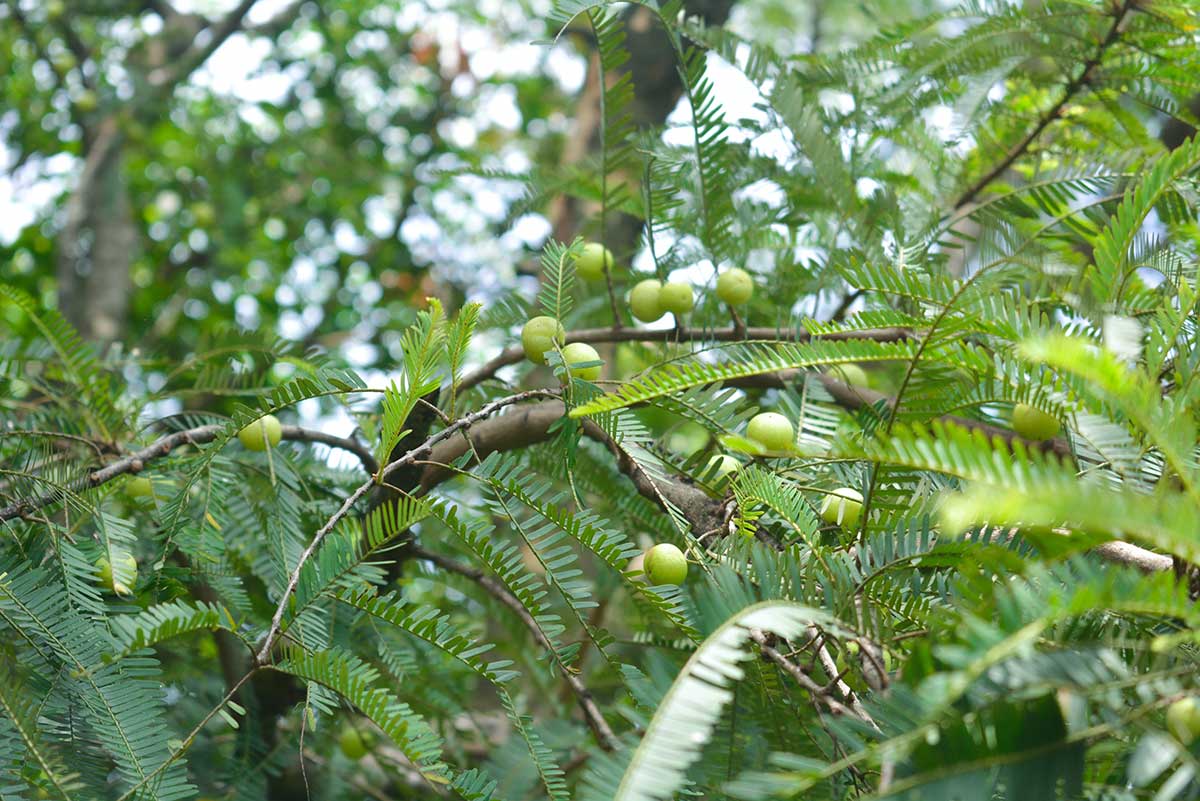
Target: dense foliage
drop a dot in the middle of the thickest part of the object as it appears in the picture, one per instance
(951, 558)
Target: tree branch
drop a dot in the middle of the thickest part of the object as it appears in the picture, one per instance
(1077, 83)
(591, 712)
(137, 461)
(514, 355)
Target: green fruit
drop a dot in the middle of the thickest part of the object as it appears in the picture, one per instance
(55, 9)
(127, 561)
(1183, 720)
(263, 433)
(735, 286)
(539, 336)
(676, 298)
(643, 300)
(665, 564)
(204, 214)
(593, 261)
(87, 101)
(580, 353)
(771, 430)
(850, 374)
(842, 507)
(1032, 423)
(139, 487)
(353, 745)
(722, 466)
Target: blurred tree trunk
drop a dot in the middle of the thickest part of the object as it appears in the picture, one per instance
(98, 241)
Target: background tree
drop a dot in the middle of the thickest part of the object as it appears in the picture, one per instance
(852, 452)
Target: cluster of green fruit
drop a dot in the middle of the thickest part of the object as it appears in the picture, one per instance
(543, 334)
(650, 299)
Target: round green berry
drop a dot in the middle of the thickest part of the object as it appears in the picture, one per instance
(676, 298)
(1032, 423)
(352, 743)
(128, 563)
(721, 467)
(139, 487)
(665, 564)
(644, 300)
(735, 286)
(593, 261)
(1183, 720)
(771, 430)
(539, 336)
(580, 353)
(263, 433)
(842, 507)
(850, 374)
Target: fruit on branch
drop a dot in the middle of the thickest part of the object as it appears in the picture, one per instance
(139, 487)
(353, 744)
(676, 297)
(722, 466)
(540, 335)
(644, 300)
(124, 560)
(1032, 423)
(581, 353)
(665, 564)
(850, 374)
(263, 433)
(593, 261)
(87, 101)
(771, 430)
(735, 286)
(1183, 720)
(842, 507)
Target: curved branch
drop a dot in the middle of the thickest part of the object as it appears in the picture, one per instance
(591, 712)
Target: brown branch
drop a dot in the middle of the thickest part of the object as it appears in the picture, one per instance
(514, 355)
(419, 452)
(819, 692)
(137, 461)
(1085, 77)
(591, 712)
(165, 79)
(531, 423)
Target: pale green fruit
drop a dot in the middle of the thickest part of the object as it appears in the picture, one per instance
(676, 297)
(263, 433)
(643, 300)
(353, 745)
(87, 101)
(850, 374)
(771, 430)
(665, 564)
(578, 353)
(539, 336)
(1183, 720)
(593, 261)
(139, 487)
(842, 507)
(722, 466)
(735, 286)
(106, 573)
(1032, 423)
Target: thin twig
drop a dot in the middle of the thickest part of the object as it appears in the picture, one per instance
(587, 703)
